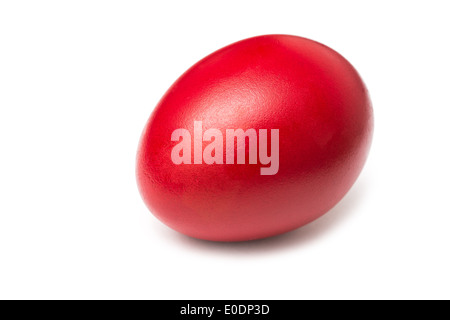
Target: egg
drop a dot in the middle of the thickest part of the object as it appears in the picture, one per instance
(257, 139)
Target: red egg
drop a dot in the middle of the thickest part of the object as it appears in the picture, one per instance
(259, 138)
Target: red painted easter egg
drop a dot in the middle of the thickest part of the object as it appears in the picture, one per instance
(259, 138)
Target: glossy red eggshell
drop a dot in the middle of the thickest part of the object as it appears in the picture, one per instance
(309, 92)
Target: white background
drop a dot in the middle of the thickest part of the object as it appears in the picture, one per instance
(78, 80)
